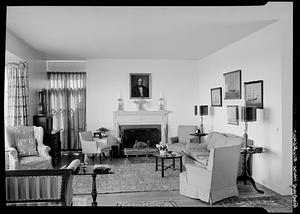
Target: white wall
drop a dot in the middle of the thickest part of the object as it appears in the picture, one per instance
(260, 56)
(17, 50)
(107, 78)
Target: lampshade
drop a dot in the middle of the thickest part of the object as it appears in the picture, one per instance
(203, 110)
(247, 113)
(195, 110)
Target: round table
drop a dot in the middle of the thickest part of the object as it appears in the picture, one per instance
(167, 156)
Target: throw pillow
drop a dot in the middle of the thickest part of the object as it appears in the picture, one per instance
(26, 147)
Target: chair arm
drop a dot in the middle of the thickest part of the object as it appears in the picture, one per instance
(44, 151)
(172, 140)
(13, 158)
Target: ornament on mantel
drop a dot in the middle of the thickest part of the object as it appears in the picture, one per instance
(120, 103)
(161, 102)
(140, 104)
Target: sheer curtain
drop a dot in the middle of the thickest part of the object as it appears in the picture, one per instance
(67, 95)
(16, 94)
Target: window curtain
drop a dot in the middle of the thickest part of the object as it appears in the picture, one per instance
(17, 100)
(67, 96)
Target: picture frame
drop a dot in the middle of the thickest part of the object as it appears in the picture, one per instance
(216, 96)
(134, 91)
(233, 114)
(233, 85)
(254, 93)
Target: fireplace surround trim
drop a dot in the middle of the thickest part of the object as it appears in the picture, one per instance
(141, 118)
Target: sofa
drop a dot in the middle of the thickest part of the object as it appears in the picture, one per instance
(212, 167)
(41, 187)
(200, 151)
(178, 143)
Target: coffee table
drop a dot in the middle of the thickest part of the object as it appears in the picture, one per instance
(89, 170)
(167, 156)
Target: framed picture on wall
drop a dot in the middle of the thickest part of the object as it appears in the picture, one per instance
(233, 85)
(140, 85)
(233, 114)
(254, 93)
(216, 96)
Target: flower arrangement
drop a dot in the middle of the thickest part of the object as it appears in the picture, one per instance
(103, 131)
(161, 146)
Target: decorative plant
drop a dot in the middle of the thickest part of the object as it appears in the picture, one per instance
(161, 146)
(102, 130)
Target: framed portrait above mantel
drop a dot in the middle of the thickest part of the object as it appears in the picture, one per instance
(233, 85)
(140, 85)
(254, 93)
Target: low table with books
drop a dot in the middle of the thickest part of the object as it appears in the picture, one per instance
(94, 170)
(168, 155)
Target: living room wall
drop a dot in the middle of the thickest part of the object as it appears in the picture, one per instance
(265, 55)
(17, 50)
(177, 80)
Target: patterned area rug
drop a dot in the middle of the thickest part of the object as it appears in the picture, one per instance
(129, 178)
(146, 204)
(269, 203)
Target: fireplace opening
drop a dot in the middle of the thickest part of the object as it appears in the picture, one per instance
(131, 134)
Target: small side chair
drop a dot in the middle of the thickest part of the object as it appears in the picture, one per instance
(93, 146)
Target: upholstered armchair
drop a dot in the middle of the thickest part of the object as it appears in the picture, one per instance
(26, 149)
(94, 146)
(178, 143)
(211, 174)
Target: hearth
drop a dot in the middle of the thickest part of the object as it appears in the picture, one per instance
(138, 139)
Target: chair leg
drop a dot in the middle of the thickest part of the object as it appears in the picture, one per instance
(100, 156)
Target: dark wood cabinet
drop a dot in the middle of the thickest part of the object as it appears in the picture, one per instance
(53, 141)
(51, 137)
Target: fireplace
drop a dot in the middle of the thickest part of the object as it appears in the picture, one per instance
(150, 134)
(140, 127)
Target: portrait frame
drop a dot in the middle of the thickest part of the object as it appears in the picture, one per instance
(133, 78)
(233, 85)
(254, 93)
(232, 114)
(216, 96)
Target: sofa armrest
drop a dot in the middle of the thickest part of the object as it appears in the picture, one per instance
(12, 158)
(172, 140)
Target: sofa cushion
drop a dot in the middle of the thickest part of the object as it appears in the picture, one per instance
(176, 147)
(35, 162)
(26, 147)
(184, 133)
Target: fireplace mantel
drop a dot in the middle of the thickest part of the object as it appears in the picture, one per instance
(141, 118)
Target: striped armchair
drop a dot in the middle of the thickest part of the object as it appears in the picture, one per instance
(44, 187)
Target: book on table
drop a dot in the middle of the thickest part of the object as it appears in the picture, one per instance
(103, 168)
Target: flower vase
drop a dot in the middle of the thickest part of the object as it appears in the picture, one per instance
(162, 152)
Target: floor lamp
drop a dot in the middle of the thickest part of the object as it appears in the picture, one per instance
(247, 114)
(203, 112)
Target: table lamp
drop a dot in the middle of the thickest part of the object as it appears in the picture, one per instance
(247, 114)
(203, 111)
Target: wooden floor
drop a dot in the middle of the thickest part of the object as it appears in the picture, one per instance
(245, 191)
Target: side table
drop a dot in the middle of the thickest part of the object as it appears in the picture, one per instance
(245, 176)
(199, 135)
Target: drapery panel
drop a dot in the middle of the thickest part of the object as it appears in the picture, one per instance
(67, 96)
(17, 100)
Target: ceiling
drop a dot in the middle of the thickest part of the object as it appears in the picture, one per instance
(82, 32)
